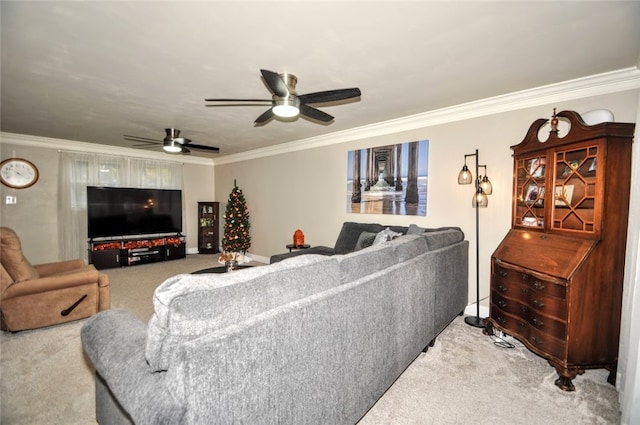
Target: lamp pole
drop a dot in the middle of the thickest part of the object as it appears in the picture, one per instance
(479, 201)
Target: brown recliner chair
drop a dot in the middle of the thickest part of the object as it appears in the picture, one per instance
(46, 294)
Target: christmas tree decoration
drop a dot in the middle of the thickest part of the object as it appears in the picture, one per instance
(236, 238)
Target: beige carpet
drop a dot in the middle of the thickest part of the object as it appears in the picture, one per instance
(463, 379)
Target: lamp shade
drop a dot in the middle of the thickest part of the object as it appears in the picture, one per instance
(486, 186)
(465, 176)
(480, 199)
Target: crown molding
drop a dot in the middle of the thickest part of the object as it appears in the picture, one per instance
(72, 145)
(595, 85)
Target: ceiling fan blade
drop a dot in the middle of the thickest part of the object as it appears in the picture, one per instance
(275, 83)
(238, 100)
(145, 146)
(266, 116)
(202, 147)
(141, 139)
(316, 114)
(329, 95)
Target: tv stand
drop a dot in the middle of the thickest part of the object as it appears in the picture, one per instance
(124, 251)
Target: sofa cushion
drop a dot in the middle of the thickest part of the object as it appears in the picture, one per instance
(408, 247)
(5, 279)
(350, 232)
(357, 264)
(437, 239)
(188, 306)
(365, 240)
(18, 267)
(414, 229)
(385, 236)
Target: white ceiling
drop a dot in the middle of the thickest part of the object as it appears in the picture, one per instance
(94, 71)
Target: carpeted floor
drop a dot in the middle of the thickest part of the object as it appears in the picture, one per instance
(464, 379)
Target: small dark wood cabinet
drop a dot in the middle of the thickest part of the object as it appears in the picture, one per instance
(208, 228)
(557, 276)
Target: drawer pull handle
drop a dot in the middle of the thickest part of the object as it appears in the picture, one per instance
(536, 340)
(502, 304)
(502, 273)
(539, 323)
(502, 288)
(538, 303)
(524, 308)
(522, 324)
(539, 285)
(501, 320)
(524, 290)
(525, 276)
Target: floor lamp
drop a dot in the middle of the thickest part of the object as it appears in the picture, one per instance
(479, 200)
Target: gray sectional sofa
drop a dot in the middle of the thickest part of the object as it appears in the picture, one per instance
(313, 339)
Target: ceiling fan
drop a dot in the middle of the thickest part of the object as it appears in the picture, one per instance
(172, 143)
(286, 103)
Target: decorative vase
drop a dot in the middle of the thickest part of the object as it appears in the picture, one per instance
(298, 238)
(230, 265)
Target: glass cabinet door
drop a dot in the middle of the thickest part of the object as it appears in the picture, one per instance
(574, 198)
(530, 191)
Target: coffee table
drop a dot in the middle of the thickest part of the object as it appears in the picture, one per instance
(219, 269)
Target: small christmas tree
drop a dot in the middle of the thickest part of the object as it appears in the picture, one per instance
(236, 237)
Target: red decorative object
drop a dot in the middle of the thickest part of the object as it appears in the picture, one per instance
(298, 238)
(107, 246)
(145, 243)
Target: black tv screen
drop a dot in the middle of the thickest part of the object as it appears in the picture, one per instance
(120, 211)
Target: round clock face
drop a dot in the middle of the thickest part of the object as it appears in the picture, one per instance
(18, 173)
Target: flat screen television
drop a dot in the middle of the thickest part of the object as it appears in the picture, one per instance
(123, 211)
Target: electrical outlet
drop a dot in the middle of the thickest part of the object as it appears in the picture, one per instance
(11, 200)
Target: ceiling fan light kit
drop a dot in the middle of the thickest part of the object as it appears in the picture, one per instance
(172, 146)
(286, 107)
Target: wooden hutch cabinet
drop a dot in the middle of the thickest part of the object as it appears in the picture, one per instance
(208, 227)
(556, 277)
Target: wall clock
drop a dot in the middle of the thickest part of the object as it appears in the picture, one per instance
(18, 173)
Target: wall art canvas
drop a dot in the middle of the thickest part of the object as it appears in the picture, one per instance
(389, 179)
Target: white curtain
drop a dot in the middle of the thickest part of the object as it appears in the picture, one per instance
(79, 170)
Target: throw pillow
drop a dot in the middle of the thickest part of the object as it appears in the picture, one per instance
(365, 240)
(414, 229)
(385, 235)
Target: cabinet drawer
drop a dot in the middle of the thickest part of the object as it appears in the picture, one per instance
(525, 313)
(534, 299)
(520, 328)
(545, 287)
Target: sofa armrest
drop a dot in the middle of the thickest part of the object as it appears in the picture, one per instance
(48, 269)
(115, 342)
(85, 276)
(321, 250)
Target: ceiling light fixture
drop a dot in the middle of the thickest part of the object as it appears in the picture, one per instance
(286, 107)
(172, 141)
(172, 146)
